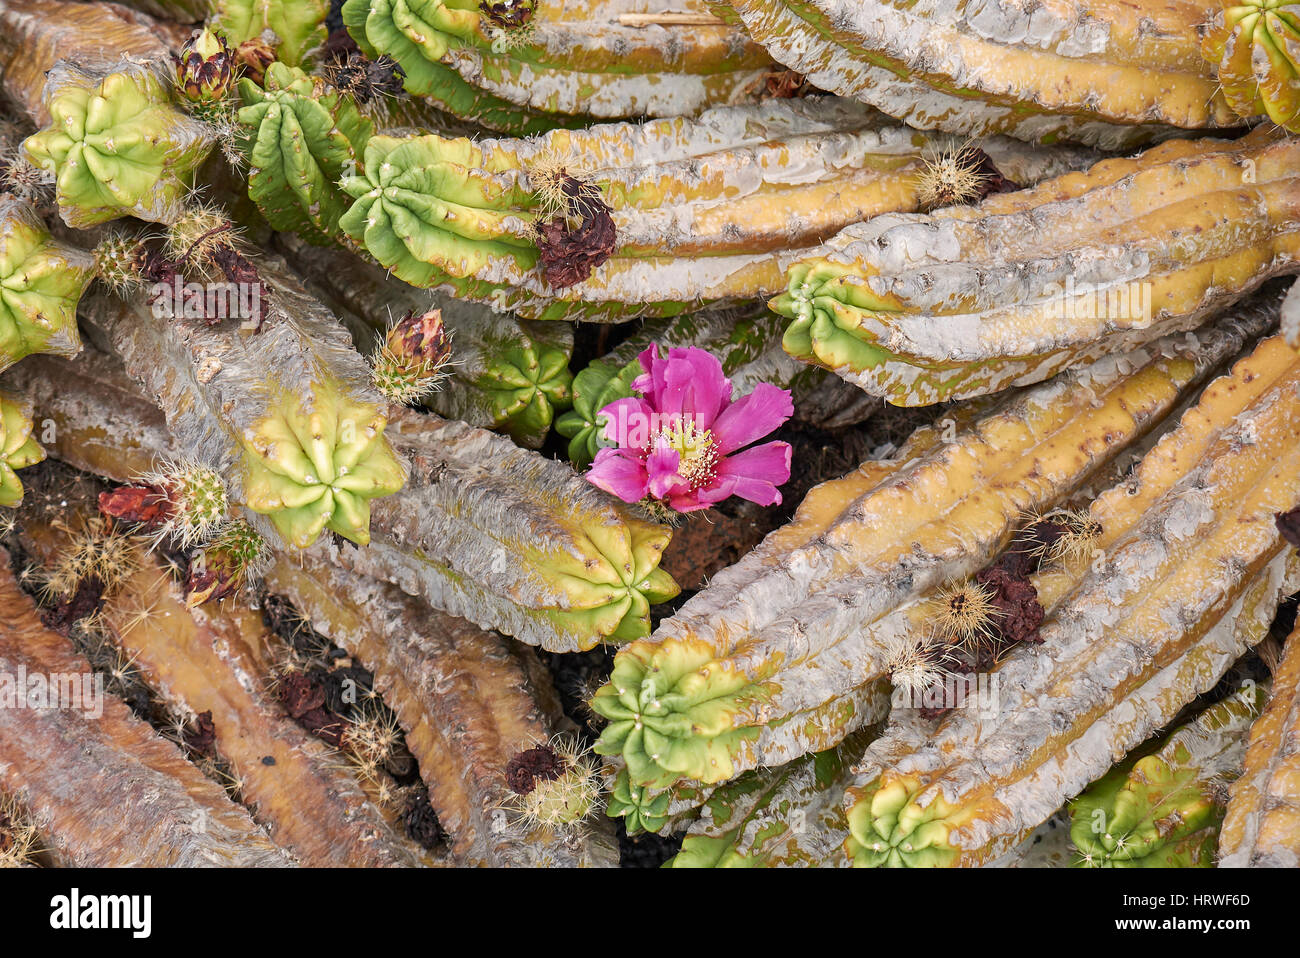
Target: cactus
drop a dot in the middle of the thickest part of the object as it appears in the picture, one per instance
(1164, 808)
(1116, 76)
(41, 282)
(284, 415)
(471, 701)
(500, 373)
(785, 816)
(788, 650)
(967, 301)
(18, 448)
(295, 26)
(232, 561)
(484, 529)
(302, 137)
(554, 60)
(1255, 49)
(1191, 572)
(48, 755)
(622, 220)
(1262, 826)
(211, 661)
(116, 145)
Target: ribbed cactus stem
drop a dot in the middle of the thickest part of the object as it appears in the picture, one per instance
(116, 144)
(619, 220)
(285, 414)
(1164, 808)
(555, 60)
(1115, 76)
(787, 650)
(1196, 572)
(1262, 826)
(967, 301)
(485, 530)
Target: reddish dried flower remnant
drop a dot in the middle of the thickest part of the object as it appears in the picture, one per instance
(148, 505)
(252, 57)
(580, 238)
(507, 14)
(530, 766)
(1015, 596)
(201, 735)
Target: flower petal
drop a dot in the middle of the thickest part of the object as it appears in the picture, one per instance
(619, 472)
(752, 417)
(753, 474)
(628, 422)
(662, 464)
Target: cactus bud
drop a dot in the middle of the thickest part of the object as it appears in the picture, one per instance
(118, 261)
(555, 785)
(237, 556)
(252, 57)
(205, 68)
(183, 501)
(409, 363)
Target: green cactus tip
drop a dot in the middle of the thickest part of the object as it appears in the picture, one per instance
(117, 146)
(316, 464)
(41, 282)
(18, 448)
(674, 713)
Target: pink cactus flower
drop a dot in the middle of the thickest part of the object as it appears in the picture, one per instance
(682, 441)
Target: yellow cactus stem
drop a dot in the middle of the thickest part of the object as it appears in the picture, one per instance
(621, 220)
(1254, 45)
(789, 649)
(41, 282)
(1191, 573)
(36, 34)
(1115, 75)
(213, 661)
(18, 448)
(1262, 826)
(559, 60)
(970, 300)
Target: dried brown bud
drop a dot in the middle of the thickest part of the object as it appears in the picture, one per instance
(252, 57)
(147, 505)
